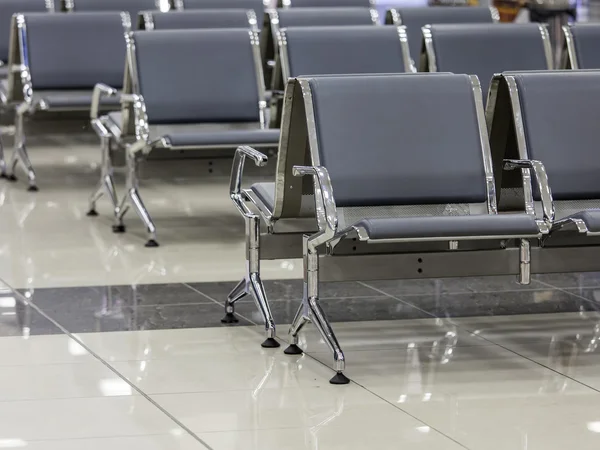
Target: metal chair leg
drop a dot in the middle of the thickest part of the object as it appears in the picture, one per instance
(20, 154)
(238, 292)
(257, 289)
(300, 320)
(133, 198)
(106, 184)
(2, 160)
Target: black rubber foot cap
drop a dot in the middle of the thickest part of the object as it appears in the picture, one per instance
(270, 343)
(293, 349)
(11, 178)
(92, 213)
(151, 243)
(118, 228)
(339, 378)
(229, 318)
(33, 189)
(3, 175)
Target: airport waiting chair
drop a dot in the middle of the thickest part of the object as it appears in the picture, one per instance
(133, 7)
(551, 117)
(325, 3)
(582, 41)
(7, 9)
(56, 62)
(370, 211)
(486, 49)
(276, 19)
(336, 50)
(216, 103)
(256, 5)
(414, 19)
(197, 19)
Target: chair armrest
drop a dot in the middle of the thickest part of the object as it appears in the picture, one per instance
(324, 201)
(541, 177)
(100, 90)
(237, 171)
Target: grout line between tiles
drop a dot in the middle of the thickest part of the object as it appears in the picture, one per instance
(489, 340)
(22, 299)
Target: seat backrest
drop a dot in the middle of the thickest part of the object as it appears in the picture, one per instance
(256, 5)
(369, 133)
(416, 18)
(303, 17)
(486, 49)
(324, 3)
(194, 76)
(62, 51)
(133, 7)
(555, 120)
(10, 7)
(198, 18)
(340, 50)
(583, 42)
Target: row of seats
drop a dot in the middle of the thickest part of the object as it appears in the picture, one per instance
(581, 46)
(410, 176)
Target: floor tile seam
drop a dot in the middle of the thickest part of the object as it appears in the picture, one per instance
(112, 369)
(566, 291)
(86, 438)
(66, 398)
(471, 332)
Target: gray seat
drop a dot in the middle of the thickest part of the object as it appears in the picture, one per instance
(503, 225)
(324, 3)
(486, 49)
(555, 123)
(207, 18)
(256, 5)
(216, 103)
(62, 59)
(583, 40)
(133, 7)
(266, 193)
(10, 7)
(416, 18)
(302, 17)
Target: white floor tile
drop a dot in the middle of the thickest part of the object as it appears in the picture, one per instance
(175, 441)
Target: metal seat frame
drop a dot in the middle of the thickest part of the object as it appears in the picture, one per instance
(146, 18)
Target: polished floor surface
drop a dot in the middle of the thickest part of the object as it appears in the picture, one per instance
(107, 344)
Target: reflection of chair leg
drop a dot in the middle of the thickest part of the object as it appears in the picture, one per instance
(133, 198)
(106, 185)
(311, 310)
(2, 160)
(252, 284)
(20, 151)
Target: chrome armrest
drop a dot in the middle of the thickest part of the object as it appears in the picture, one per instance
(237, 171)
(324, 202)
(100, 90)
(541, 177)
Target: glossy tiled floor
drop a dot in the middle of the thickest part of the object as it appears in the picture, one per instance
(106, 344)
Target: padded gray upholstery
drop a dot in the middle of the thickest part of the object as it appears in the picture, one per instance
(209, 18)
(416, 18)
(340, 50)
(73, 99)
(197, 75)
(587, 43)
(133, 7)
(560, 115)
(256, 5)
(451, 226)
(331, 3)
(3, 72)
(75, 51)
(7, 9)
(266, 193)
(591, 217)
(303, 17)
(233, 138)
(399, 139)
(487, 49)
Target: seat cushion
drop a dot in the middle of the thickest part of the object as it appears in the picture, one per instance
(74, 100)
(231, 138)
(4, 71)
(505, 225)
(591, 217)
(266, 193)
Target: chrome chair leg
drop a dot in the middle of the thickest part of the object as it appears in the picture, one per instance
(310, 309)
(2, 160)
(106, 184)
(301, 318)
(20, 154)
(252, 284)
(524, 262)
(133, 198)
